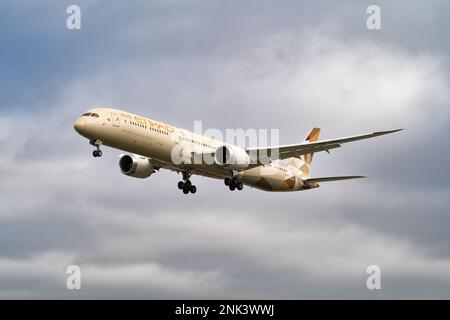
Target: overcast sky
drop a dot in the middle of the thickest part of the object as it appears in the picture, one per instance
(288, 65)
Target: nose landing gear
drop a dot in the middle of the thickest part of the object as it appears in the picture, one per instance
(97, 153)
(97, 143)
(186, 184)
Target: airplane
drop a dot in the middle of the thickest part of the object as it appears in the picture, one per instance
(150, 146)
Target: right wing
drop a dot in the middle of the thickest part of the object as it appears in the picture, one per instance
(296, 150)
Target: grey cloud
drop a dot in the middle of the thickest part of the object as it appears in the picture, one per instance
(232, 64)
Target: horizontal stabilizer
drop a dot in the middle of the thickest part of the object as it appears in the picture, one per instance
(327, 179)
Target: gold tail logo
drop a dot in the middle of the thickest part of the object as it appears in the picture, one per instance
(312, 136)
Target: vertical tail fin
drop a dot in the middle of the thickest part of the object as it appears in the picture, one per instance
(312, 136)
(304, 161)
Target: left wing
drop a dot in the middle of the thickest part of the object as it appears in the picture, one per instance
(296, 150)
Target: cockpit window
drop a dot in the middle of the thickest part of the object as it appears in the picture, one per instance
(86, 114)
(95, 115)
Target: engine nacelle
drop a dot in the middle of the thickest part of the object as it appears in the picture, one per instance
(135, 166)
(231, 157)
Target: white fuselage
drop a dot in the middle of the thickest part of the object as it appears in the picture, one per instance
(156, 140)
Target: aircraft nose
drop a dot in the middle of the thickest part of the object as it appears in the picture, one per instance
(80, 125)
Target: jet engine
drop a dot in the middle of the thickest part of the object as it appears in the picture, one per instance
(231, 157)
(136, 166)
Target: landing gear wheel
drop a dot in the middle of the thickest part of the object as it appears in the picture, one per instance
(233, 183)
(97, 152)
(186, 185)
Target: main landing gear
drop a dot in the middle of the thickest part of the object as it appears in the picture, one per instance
(233, 183)
(96, 153)
(186, 184)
